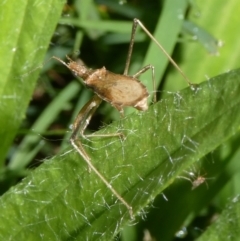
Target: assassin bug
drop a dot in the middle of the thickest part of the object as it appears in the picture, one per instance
(120, 90)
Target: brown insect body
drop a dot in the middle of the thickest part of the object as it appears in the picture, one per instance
(118, 90)
(200, 180)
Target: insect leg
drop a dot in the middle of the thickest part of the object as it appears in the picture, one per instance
(138, 22)
(79, 125)
(144, 69)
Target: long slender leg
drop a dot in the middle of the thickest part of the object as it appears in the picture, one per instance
(144, 69)
(137, 22)
(129, 55)
(79, 125)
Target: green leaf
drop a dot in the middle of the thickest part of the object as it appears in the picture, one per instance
(187, 210)
(23, 156)
(26, 29)
(62, 200)
(196, 63)
(210, 43)
(227, 225)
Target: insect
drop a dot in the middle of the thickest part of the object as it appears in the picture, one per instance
(120, 90)
(196, 180)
